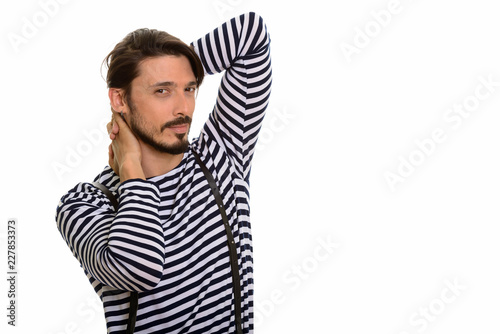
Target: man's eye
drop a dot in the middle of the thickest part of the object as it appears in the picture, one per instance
(161, 91)
(190, 89)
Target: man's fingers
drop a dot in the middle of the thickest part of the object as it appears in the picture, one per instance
(116, 127)
(113, 127)
(110, 123)
(109, 127)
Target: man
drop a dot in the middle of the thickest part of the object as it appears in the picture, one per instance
(167, 240)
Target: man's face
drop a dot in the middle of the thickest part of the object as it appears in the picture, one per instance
(162, 102)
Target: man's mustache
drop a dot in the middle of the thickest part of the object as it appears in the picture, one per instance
(178, 121)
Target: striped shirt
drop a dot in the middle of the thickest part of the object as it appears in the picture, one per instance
(167, 240)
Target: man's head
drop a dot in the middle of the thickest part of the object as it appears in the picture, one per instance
(152, 77)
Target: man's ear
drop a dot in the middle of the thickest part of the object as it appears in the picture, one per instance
(117, 100)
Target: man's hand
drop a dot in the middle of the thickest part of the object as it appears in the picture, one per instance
(125, 154)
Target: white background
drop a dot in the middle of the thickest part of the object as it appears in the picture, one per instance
(337, 124)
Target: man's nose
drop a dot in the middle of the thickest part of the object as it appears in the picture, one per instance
(181, 104)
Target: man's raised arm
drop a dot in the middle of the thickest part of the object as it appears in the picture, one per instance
(241, 48)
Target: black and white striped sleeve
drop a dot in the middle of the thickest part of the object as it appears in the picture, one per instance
(125, 249)
(241, 48)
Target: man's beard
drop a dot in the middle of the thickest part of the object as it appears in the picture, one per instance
(146, 133)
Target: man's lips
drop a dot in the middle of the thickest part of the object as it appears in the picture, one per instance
(179, 125)
(182, 128)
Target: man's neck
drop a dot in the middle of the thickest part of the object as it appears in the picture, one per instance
(155, 163)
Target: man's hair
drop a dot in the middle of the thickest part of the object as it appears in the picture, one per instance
(123, 61)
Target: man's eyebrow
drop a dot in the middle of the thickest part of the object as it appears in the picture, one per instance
(171, 84)
(163, 84)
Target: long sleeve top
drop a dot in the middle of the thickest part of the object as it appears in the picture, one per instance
(167, 240)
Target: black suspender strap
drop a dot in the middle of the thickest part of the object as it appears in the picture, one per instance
(132, 311)
(134, 297)
(108, 193)
(233, 255)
